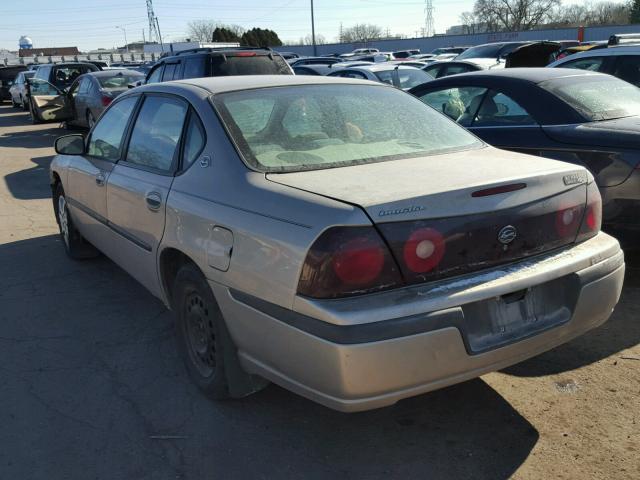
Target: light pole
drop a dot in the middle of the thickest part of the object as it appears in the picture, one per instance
(313, 33)
(126, 44)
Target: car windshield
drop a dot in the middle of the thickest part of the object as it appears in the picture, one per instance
(597, 97)
(491, 50)
(119, 80)
(311, 127)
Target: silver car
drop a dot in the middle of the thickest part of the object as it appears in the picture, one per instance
(400, 76)
(18, 90)
(337, 237)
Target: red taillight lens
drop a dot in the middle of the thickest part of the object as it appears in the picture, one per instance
(592, 221)
(424, 250)
(243, 54)
(106, 100)
(347, 261)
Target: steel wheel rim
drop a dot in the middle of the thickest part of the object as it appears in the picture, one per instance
(200, 335)
(63, 218)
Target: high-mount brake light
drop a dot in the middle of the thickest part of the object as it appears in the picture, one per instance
(497, 190)
(347, 261)
(242, 54)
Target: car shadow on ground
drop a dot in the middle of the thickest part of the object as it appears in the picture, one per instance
(31, 183)
(92, 382)
(620, 332)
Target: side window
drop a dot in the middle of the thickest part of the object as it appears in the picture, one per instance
(454, 70)
(386, 76)
(194, 141)
(433, 70)
(498, 110)
(40, 87)
(458, 103)
(156, 133)
(592, 63)
(84, 86)
(156, 74)
(194, 67)
(169, 71)
(106, 138)
(628, 69)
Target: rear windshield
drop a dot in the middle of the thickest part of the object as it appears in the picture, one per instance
(491, 50)
(321, 126)
(597, 97)
(250, 65)
(119, 81)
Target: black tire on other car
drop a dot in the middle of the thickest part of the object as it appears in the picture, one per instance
(201, 333)
(74, 244)
(25, 105)
(13, 103)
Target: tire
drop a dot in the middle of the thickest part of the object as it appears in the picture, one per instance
(75, 245)
(25, 105)
(200, 332)
(90, 120)
(13, 103)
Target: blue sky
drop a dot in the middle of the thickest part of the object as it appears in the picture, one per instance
(90, 24)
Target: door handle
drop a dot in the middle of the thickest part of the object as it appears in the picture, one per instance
(154, 200)
(100, 179)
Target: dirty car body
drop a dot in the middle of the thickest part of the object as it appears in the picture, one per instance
(347, 259)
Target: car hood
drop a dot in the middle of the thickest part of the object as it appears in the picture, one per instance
(438, 186)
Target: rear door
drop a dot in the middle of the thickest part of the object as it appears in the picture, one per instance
(139, 184)
(627, 68)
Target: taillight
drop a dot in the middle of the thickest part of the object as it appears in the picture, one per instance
(568, 220)
(592, 221)
(424, 250)
(106, 100)
(347, 261)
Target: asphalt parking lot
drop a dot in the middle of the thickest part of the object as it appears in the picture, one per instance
(92, 386)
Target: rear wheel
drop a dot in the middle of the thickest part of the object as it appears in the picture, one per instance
(25, 105)
(35, 118)
(201, 334)
(74, 244)
(13, 103)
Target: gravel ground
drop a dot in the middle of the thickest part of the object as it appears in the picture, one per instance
(91, 385)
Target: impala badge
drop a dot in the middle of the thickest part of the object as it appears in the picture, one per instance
(507, 234)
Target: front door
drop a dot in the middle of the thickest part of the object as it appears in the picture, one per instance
(139, 184)
(48, 103)
(86, 185)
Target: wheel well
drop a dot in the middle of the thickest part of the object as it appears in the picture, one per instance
(171, 260)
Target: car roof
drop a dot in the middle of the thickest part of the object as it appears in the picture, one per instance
(532, 75)
(382, 67)
(217, 85)
(603, 52)
(114, 73)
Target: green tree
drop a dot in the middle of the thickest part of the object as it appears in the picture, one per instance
(258, 37)
(634, 15)
(223, 34)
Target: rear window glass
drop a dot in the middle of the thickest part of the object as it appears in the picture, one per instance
(322, 126)
(597, 97)
(250, 65)
(119, 81)
(409, 78)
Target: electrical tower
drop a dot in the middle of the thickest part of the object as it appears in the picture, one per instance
(429, 25)
(153, 23)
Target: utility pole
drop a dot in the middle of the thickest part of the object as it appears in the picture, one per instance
(313, 32)
(126, 44)
(159, 34)
(143, 39)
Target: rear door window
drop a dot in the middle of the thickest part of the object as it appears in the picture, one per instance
(500, 110)
(156, 133)
(627, 68)
(194, 140)
(458, 103)
(169, 71)
(454, 70)
(194, 67)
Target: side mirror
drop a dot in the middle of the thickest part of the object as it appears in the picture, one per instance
(136, 84)
(70, 145)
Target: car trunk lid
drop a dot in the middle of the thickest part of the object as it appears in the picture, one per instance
(449, 214)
